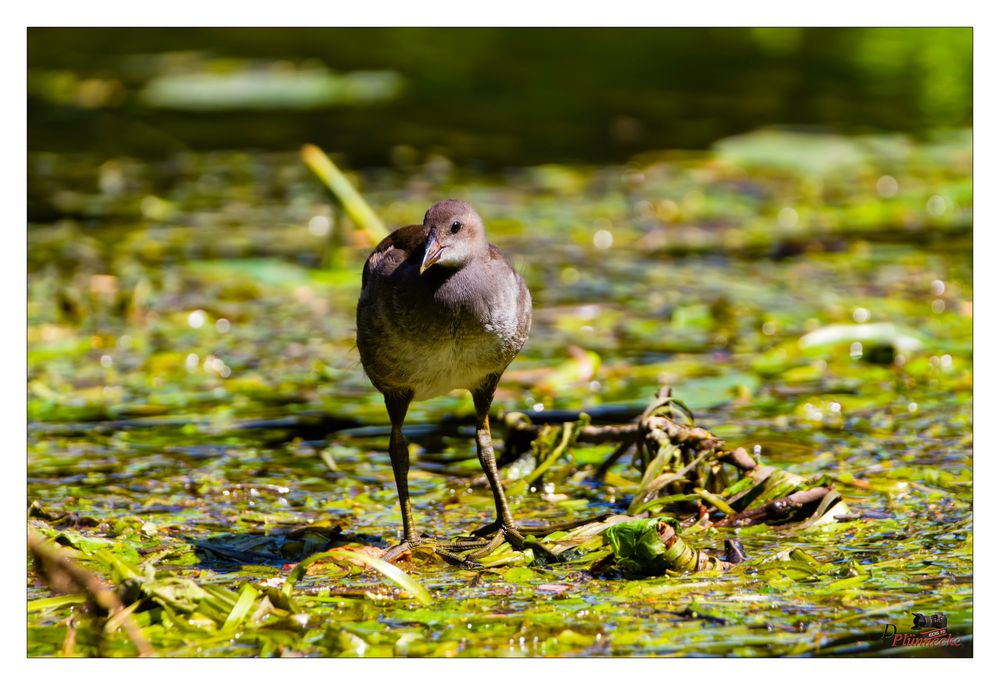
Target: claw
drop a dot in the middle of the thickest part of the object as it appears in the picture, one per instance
(516, 539)
(465, 551)
(488, 529)
(493, 527)
(396, 551)
(446, 550)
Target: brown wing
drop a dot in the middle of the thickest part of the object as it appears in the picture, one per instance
(394, 249)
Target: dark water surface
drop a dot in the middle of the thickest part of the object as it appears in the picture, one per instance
(489, 97)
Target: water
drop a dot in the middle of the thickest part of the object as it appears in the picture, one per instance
(196, 400)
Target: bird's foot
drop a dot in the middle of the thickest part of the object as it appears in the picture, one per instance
(518, 538)
(449, 551)
(496, 526)
(488, 530)
(398, 551)
(523, 537)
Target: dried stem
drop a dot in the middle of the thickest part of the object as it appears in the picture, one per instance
(660, 428)
(64, 576)
(777, 509)
(694, 465)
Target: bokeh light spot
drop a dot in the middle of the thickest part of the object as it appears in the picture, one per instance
(788, 218)
(886, 186)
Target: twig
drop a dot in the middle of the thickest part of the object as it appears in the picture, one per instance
(64, 576)
(695, 453)
(777, 509)
(347, 197)
(618, 453)
(694, 437)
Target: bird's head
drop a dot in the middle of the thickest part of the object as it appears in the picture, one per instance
(455, 235)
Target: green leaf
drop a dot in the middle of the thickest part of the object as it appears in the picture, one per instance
(248, 595)
(637, 547)
(391, 572)
(518, 574)
(47, 603)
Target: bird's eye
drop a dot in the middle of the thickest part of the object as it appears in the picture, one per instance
(456, 227)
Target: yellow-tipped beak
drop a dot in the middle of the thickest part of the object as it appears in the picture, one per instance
(432, 253)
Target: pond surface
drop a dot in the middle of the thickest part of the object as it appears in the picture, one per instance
(198, 411)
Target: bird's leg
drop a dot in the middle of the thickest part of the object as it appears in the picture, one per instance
(400, 456)
(483, 398)
(504, 526)
(397, 406)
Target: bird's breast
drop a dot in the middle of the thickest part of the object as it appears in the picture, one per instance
(432, 336)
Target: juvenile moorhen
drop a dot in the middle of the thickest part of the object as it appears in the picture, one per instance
(441, 308)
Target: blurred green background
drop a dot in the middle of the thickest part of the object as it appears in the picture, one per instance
(490, 96)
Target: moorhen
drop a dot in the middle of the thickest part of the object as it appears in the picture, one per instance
(442, 309)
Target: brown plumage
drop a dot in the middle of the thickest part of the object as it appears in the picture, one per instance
(441, 309)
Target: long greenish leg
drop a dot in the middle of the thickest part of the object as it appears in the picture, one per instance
(504, 526)
(397, 406)
(400, 456)
(483, 398)
(400, 469)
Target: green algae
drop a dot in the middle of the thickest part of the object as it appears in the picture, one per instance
(199, 422)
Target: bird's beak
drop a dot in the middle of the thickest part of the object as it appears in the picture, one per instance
(432, 253)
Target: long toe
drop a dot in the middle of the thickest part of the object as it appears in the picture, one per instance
(563, 525)
(489, 530)
(447, 550)
(397, 551)
(517, 540)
